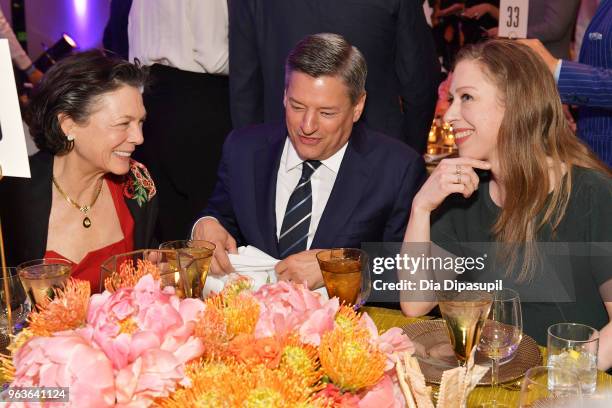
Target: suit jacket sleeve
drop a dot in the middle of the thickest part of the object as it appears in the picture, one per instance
(418, 72)
(246, 81)
(220, 203)
(585, 85)
(413, 179)
(554, 22)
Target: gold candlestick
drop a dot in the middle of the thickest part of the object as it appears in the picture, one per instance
(7, 291)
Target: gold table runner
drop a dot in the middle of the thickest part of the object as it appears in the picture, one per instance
(387, 318)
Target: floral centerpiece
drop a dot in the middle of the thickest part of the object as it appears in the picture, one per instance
(138, 345)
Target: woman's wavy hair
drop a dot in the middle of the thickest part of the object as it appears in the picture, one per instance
(534, 138)
(72, 87)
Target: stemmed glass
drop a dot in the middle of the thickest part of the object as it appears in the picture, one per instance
(502, 333)
(550, 387)
(464, 314)
(19, 306)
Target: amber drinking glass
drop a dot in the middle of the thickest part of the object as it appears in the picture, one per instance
(163, 260)
(193, 259)
(346, 274)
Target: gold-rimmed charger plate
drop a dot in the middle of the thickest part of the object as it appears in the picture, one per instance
(435, 354)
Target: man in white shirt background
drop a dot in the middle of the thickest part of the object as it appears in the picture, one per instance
(316, 181)
(186, 44)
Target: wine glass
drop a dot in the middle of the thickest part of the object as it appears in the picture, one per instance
(193, 260)
(464, 314)
(502, 333)
(41, 276)
(19, 306)
(550, 387)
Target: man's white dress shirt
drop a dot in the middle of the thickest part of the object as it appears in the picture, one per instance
(191, 35)
(289, 173)
(322, 182)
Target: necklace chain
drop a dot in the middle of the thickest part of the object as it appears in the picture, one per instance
(83, 208)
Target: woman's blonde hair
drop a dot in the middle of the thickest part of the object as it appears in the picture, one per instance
(534, 138)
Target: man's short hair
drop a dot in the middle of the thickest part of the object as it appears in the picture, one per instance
(326, 54)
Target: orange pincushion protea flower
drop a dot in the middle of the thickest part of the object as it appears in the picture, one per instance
(349, 360)
(213, 384)
(240, 312)
(275, 388)
(210, 328)
(67, 310)
(303, 360)
(235, 287)
(347, 319)
(128, 276)
(218, 384)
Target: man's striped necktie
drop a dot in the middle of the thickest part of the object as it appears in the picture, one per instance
(296, 222)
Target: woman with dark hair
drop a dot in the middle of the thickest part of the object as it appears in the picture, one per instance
(87, 199)
(522, 179)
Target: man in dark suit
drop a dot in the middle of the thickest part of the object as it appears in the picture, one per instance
(392, 35)
(316, 181)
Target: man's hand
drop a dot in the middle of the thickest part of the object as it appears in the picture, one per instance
(538, 47)
(209, 229)
(301, 267)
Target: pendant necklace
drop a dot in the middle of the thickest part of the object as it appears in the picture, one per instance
(83, 208)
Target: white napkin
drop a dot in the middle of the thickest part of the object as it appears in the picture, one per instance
(253, 263)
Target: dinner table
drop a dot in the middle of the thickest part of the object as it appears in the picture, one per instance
(507, 393)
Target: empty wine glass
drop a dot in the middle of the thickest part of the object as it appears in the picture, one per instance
(19, 306)
(550, 387)
(502, 333)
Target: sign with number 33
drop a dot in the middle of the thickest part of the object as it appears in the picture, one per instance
(513, 16)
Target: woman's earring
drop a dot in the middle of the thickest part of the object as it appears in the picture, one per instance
(70, 137)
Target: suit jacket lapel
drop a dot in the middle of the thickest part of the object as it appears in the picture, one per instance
(346, 193)
(266, 163)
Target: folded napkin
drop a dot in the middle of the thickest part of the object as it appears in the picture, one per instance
(252, 263)
(455, 386)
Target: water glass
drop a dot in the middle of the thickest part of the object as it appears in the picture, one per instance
(346, 275)
(574, 346)
(19, 306)
(165, 261)
(193, 258)
(41, 276)
(550, 387)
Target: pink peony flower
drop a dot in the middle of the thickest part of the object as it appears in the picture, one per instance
(155, 373)
(66, 359)
(390, 342)
(383, 395)
(129, 322)
(285, 307)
